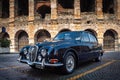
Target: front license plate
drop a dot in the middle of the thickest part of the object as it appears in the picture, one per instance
(38, 66)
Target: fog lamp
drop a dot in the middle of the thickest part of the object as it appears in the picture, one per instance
(39, 57)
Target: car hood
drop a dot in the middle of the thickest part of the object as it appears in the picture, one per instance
(54, 43)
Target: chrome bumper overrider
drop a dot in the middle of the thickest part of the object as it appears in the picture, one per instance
(42, 64)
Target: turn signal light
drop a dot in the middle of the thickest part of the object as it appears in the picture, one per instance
(53, 61)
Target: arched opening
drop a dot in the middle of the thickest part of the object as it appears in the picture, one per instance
(87, 5)
(42, 35)
(21, 39)
(4, 8)
(92, 32)
(21, 7)
(43, 10)
(108, 6)
(4, 40)
(4, 35)
(67, 4)
(64, 30)
(110, 40)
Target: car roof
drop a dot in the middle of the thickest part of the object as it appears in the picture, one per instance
(79, 32)
(76, 31)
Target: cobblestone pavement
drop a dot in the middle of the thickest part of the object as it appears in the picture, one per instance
(107, 69)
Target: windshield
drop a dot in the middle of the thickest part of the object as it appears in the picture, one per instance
(68, 36)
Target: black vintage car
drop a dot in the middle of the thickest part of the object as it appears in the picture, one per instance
(66, 50)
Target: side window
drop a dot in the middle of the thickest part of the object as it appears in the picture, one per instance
(77, 36)
(92, 38)
(68, 36)
(85, 37)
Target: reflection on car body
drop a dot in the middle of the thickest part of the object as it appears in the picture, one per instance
(66, 51)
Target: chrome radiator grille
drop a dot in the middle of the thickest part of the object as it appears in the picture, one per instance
(33, 53)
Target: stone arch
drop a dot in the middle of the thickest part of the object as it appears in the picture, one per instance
(41, 35)
(5, 41)
(92, 32)
(64, 30)
(4, 35)
(110, 40)
(21, 39)
(43, 10)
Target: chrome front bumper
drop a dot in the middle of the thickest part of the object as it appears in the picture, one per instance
(42, 64)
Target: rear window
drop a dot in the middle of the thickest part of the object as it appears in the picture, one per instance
(92, 38)
(85, 37)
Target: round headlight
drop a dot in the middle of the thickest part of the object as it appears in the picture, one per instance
(43, 52)
(25, 51)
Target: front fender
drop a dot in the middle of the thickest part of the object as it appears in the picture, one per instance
(60, 51)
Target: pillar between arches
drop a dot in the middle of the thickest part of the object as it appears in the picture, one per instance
(12, 45)
(77, 10)
(119, 44)
(53, 9)
(31, 29)
(99, 9)
(100, 40)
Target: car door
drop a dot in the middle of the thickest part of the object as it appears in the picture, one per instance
(94, 43)
(85, 47)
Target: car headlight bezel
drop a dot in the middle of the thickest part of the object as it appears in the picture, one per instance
(43, 52)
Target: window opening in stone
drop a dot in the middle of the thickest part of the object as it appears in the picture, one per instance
(67, 4)
(4, 8)
(44, 10)
(108, 6)
(22, 7)
(87, 5)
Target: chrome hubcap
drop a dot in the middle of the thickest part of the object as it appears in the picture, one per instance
(100, 57)
(70, 63)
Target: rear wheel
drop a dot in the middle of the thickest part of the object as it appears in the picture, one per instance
(69, 63)
(99, 58)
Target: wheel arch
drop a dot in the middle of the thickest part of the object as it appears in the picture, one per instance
(74, 52)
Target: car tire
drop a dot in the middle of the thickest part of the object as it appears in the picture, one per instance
(98, 59)
(69, 63)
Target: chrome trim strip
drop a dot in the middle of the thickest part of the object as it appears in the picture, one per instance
(36, 53)
(39, 63)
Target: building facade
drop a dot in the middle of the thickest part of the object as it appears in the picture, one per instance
(29, 21)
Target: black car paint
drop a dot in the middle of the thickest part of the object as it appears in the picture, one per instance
(83, 51)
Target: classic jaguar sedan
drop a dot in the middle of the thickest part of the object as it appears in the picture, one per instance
(66, 51)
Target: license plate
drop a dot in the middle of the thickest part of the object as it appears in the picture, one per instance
(39, 66)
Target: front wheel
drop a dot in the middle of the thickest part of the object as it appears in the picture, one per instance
(69, 63)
